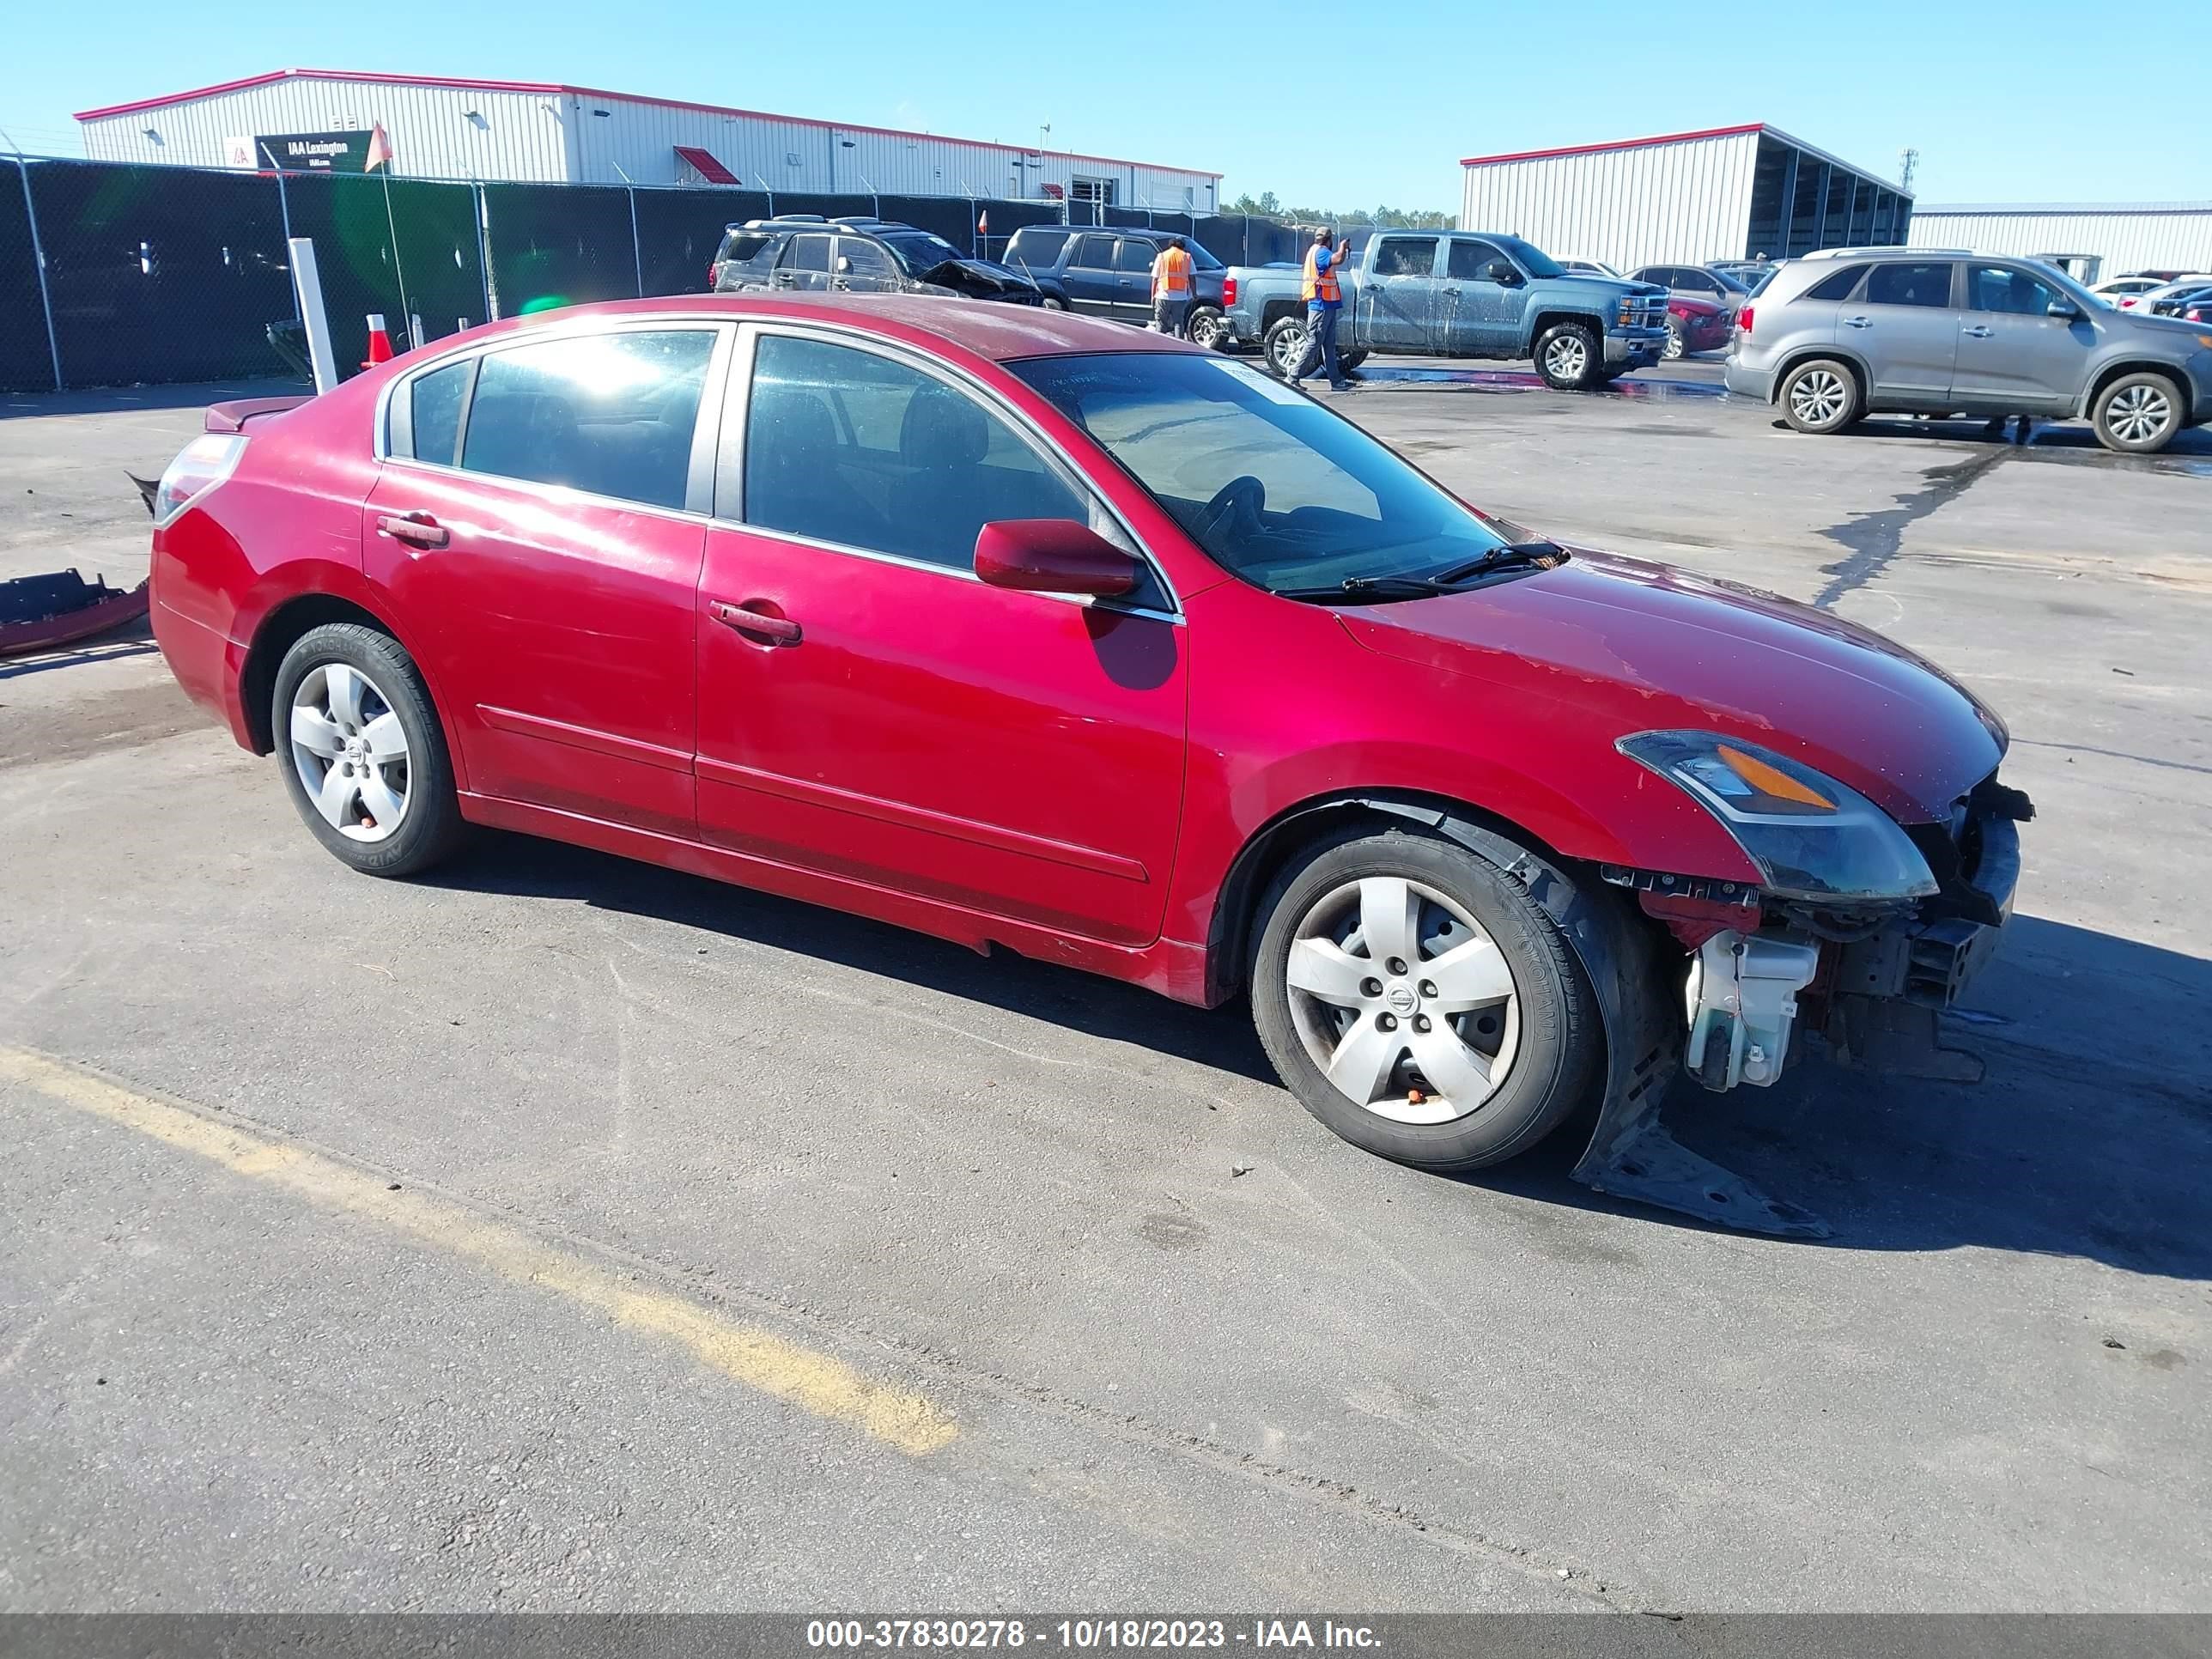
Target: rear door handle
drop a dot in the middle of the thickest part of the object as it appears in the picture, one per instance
(416, 529)
(777, 630)
(1858, 322)
(1977, 332)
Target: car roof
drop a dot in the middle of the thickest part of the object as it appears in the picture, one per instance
(988, 329)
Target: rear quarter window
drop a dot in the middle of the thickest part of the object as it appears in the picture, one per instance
(1837, 284)
(1039, 247)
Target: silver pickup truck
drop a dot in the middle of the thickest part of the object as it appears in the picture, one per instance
(1458, 293)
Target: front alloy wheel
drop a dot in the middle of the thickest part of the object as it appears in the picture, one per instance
(2138, 414)
(1402, 1000)
(1419, 1003)
(1676, 346)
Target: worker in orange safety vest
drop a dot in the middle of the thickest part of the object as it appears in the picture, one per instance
(1171, 289)
(1324, 297)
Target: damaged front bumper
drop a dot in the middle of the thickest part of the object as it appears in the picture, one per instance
(1873, 982)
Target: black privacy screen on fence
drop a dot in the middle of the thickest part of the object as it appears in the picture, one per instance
(164, 274)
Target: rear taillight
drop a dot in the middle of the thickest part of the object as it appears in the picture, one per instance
(1743, 320)
(2128, 302)
(713, 274)
(200, 465)
(1228, 291)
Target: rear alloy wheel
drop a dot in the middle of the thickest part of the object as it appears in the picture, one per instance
(1820, 397)
(1677, 346)
(1284, 345)
(362, 754)
(1203, 327)
(1419, 1004)
(2137, 414)
(1568, 357)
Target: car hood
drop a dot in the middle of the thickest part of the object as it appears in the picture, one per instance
(1595, 291)
(1654, 648)
(978, 275)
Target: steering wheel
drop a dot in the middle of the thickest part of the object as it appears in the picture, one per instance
(1235, 508)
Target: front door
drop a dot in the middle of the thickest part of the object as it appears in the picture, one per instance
(541, 546)
(1092, 284)
(1132, 277)
(2015, 358)
(869, 710)
(861, 266)
(1477, 315)
(1398, 295)
(1907, 326)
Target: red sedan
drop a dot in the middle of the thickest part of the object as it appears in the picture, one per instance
(1695, 325)
(1029, 630)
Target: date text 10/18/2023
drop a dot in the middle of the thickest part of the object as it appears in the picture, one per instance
(1088, 1635)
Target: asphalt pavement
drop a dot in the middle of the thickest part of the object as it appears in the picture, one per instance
(560, 1233)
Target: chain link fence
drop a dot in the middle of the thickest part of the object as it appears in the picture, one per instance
(120, 274)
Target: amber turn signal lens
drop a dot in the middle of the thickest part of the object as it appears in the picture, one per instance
(1771, 780)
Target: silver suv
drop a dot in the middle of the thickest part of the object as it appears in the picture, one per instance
(1856, 332)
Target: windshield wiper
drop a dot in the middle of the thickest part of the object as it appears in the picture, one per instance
(1539, 552)
(1354, 589)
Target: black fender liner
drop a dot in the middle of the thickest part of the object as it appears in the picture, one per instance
(1630, 1154)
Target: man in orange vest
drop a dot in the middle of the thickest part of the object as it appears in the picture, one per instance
(1172, 287)
(1324, 298)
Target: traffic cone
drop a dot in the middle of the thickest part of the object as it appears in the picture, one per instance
(380, 342)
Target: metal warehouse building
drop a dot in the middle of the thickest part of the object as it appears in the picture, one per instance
(542, 132)
(1722, 194)
(2122, 236)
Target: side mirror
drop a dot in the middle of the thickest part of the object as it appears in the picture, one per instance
(2063, 308)
(1500, 271)
(1053, 556)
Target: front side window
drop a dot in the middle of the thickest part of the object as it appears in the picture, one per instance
(864, 258)
(436, 400)
(2004, 288)
(1134, 255)
(1273, 487)
(1470, 262)
(612, 413)
(1901, 284)
(807, 252)
(1406, 255)
(846, 446)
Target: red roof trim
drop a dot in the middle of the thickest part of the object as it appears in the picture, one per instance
(275, 75)
(1620, 143)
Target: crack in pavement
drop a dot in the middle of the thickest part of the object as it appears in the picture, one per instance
(1873, 538)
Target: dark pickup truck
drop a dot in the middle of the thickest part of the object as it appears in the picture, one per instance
(1454, 293)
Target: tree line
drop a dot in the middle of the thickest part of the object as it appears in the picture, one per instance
(1268, 205)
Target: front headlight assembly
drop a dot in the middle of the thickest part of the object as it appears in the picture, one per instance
(1811, 837)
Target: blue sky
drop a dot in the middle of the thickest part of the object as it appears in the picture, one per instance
(2025, 101)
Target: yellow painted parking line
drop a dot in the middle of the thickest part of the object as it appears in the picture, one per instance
(816, 1382)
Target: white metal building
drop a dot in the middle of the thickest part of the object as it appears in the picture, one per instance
(2122, 236)
(533, 131)
(1683, 197)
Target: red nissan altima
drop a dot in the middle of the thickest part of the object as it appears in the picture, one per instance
(1029, 630)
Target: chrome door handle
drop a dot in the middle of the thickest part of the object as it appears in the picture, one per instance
(1858, 322)
(416, 529)
(776, 630)
(1977, 332)
(1453, 291)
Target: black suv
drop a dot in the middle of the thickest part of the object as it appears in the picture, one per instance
(806, 254)
(1109, 273)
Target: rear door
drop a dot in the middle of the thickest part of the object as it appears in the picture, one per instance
(1399, 293)
(539, 529)
(1905, 323)
(1477, 315)
(1093, 286)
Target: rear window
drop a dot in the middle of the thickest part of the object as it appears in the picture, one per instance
(1038, 246)
(741, 246)
(1909, 285)
(1837, 284)
(1095, 254)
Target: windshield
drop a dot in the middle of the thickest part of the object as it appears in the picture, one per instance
(918, 251)
(1275, 488)
(1533, 259)
(1729, 280)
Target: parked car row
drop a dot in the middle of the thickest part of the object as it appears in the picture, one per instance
(1848, 332)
